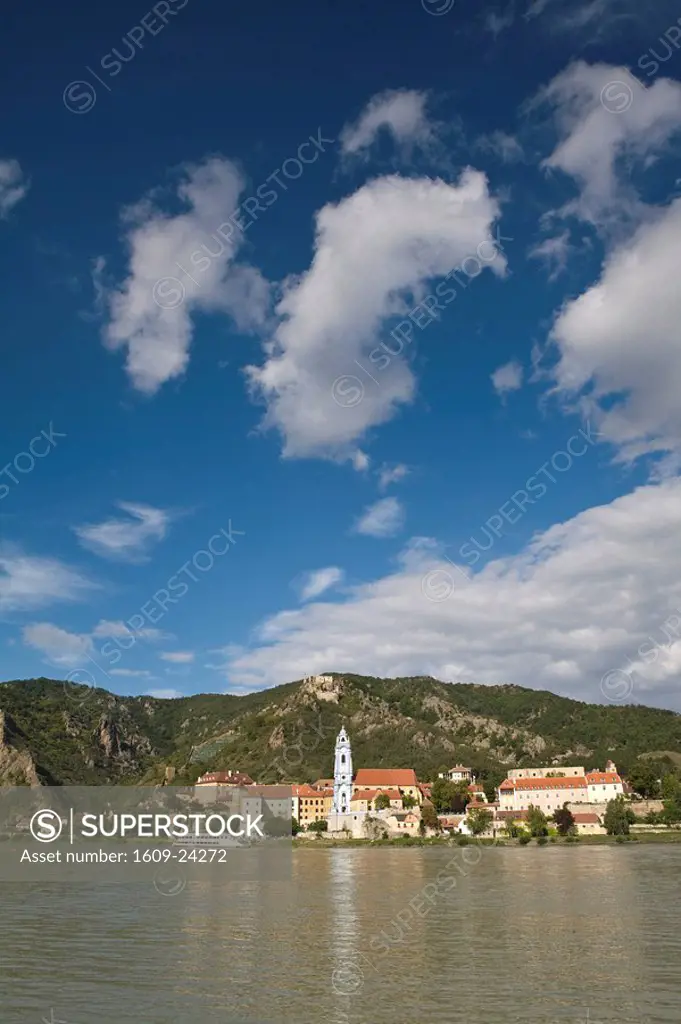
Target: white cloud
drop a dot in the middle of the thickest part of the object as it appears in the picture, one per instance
(180, 265)
(59, 646)
(118, 628)
(178, 657)
(13, 186)
(382, 519)
(620, 342)
(131, 673)
(598, 17)
(28, 582)
(165, 694)
(554, 253)
(574, 605)
(401, 112)
(605, 116)
(506, 147)
(375, 251)
(315, 583)
(126, 539)
(508, 377)
(391, 475)
(497, 22)
(360, 460)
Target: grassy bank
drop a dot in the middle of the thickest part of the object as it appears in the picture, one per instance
(448, 841)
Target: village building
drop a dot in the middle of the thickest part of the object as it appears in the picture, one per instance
(588, 824)
(365, 800)
(403, 779)
(230, 778)
(458, 773)
(524, 788)
(310, 804)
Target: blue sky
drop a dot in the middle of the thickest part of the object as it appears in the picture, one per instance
(342, 337)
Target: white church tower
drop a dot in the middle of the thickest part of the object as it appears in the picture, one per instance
(342, 774)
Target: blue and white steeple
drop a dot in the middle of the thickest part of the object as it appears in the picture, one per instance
(342, 774)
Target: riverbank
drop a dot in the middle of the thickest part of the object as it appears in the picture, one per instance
(411, 841)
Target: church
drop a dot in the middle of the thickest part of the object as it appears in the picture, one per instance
(353, 800)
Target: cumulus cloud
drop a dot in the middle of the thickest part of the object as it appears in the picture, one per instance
(620, 342)
(315, 583)
(604, 116)
(28, 582)
(382, 519)
(374, 253)
(508, 377)
(401, 112)
(179, 265)
(126, 539)
(13, 186)
(576, 604)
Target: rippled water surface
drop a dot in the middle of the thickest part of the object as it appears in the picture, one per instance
(381, 936)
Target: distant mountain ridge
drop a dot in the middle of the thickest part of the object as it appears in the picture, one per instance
(58, 733)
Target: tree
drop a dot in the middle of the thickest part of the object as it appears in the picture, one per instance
(643, 778)
(295, 827)
(536, 821)
(408, 801)
(429, 818)
(617, 817)
(671, 787)
(479, 820)
(320, 825)
(512, 828)
(374, 829)
(382, 802)
(449, 797)
(564, 819)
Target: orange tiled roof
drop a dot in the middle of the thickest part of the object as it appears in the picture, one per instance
(586, 819)
(310, 791)
(224, 778)
(596, 778)
(386, 777)
(564, 782)
(475, 787)
(371, 794)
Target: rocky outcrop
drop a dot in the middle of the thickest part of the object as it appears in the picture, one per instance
(17, 767)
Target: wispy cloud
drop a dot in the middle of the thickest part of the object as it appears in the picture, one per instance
(128, 538)
(13, 186)
(315, 583)
(178, 657)
(165, 694)
(383, 519)
(400, 112)
(391, 475)
(28, 582)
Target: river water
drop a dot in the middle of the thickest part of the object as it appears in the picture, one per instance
(368, 936)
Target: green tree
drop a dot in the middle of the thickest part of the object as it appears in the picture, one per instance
(479, 820)
(382, 802)
(537, 822)
(564, 819)
(512, 828)
(429, 818)
(408, 802)
(320, 825)
(449, 797)
(617, 818)
(643, 778)
(671, 787)
(295, 827)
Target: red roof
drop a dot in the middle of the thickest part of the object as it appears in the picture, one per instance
(586, 819)
(596, 778)
(475, 787)
(376, 777)
(371, 794)
(310, 791)
(564, 782)
(224, 779)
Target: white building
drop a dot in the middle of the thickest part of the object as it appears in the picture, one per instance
(549, 792)
(342, 817)
(459, 773)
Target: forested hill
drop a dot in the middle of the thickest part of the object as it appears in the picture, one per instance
(57, 732)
